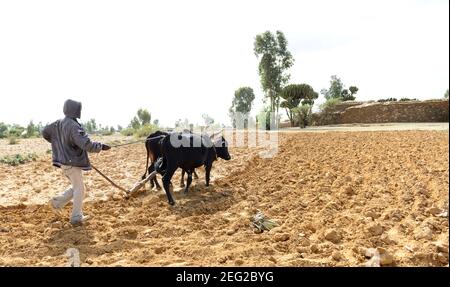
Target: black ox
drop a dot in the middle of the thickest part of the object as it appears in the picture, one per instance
(188, 151)
(153, 148)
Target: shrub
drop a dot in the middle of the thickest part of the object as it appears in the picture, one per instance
(407, 100)
(31, 130)
(387, 100)
(106, 133)
(302, 115)
(13, 140)
(15, 131)
(145, 130)
(330, 103)
(128, 131)
(17, 159)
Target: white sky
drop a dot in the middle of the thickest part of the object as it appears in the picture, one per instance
(180, 59)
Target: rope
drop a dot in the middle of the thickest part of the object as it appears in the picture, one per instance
(138, 141)
(118, 145)
(130, 143)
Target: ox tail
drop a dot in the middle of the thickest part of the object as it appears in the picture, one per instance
(146, 165)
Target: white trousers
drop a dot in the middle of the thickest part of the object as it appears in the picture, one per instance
(76, 192)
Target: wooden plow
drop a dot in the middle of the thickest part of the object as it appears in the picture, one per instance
(129, 192)
(138, 185)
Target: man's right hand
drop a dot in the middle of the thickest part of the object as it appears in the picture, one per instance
(105, 147)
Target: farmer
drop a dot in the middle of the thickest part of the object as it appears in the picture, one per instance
(70, 145)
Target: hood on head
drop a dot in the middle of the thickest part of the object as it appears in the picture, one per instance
(72, 109)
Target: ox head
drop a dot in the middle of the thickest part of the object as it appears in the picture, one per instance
(221, 146)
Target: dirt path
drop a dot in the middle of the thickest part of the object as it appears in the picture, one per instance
(374, 127)
(334, 194)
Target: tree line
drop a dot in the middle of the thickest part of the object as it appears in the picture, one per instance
(296, 99)
(18, 131)
(139, 125)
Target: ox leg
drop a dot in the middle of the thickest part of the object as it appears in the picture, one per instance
(155, 183)
(151, 168)
(207, 174)
(182, 178)
(189, 181)
(195, 175)
(166, 183)
(158, 187)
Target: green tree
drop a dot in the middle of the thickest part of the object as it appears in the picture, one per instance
(242, 102)
(345, 95)
(349, 95)
(353, 90)
(156, 122)
(263, 119)
(446, 94)
(15, 130)
(274, 61)
(90, 126)
(135, 123)
(31, 130)
(3, 130)
(335, 90)
(144, 116)
(293, 95)
(40, 128)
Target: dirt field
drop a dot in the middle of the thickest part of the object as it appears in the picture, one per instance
(334, 194)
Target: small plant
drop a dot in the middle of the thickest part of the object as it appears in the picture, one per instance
(261, 222)
(17, 159)
(13, 140)
(387, 100)
(407, 100)
(128, 132)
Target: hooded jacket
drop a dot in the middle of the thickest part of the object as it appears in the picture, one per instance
(70, 143)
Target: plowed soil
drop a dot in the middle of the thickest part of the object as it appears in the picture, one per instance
(334, 194)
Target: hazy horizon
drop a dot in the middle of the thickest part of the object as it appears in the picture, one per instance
(182, 59)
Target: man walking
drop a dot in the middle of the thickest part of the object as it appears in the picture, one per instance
(70, 145)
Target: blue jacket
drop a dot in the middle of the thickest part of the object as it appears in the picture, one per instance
(70, 143)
